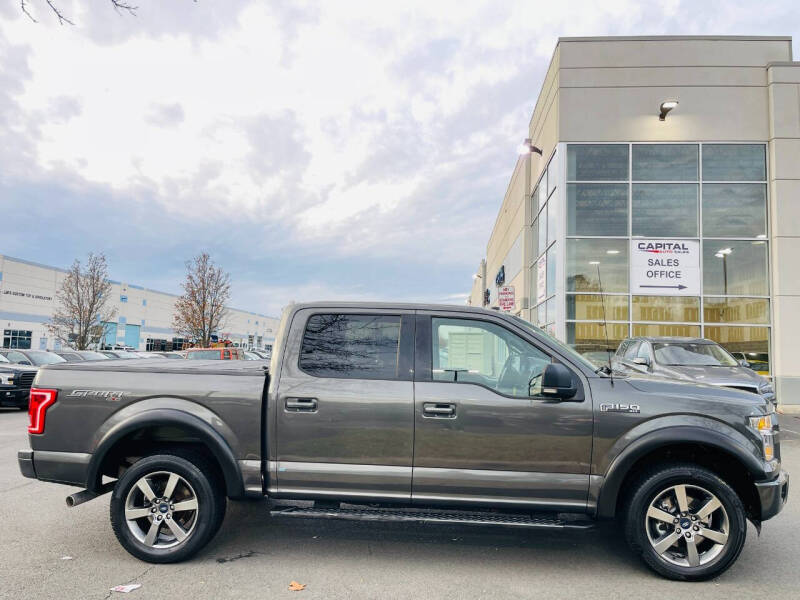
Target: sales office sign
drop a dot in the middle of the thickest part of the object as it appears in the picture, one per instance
(665, 267)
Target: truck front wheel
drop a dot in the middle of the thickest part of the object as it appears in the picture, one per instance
(166, 507)
(685, 522)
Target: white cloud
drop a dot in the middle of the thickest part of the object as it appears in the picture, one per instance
(385, 129)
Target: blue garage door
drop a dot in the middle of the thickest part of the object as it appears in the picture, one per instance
(109, 334)
(132, 335)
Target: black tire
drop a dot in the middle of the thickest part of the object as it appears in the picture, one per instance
(204, 484)
(649, 487)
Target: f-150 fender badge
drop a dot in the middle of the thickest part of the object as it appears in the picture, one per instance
(112, 395)
(623, 408)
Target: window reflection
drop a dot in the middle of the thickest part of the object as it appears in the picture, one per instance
(597, 209)
(735, 210)
(666, 308)
(597, 162)
(585, 255)
(736, 310)
(735, 267)
(664, 210)
(665, 162)
(734, 162)
(589, 307)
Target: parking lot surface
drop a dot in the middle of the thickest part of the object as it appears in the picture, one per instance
(254, 556)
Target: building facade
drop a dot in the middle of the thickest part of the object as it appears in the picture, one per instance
(677, 222)
(143, 317)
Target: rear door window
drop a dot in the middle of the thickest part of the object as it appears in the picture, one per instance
(351, 346)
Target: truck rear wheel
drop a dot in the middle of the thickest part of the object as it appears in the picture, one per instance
(685, 522)
(166, 507)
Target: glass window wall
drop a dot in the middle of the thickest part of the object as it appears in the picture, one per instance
(716, 193)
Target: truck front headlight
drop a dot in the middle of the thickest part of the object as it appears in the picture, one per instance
(765, 425)
(7, 379)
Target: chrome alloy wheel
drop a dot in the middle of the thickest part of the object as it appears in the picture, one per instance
(161, 509)
(687, 525)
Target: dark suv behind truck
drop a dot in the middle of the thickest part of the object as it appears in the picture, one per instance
(15, 383)
(411, 413)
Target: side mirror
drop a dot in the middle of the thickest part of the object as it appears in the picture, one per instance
(558, 382)
(25, 362)
(639, 360)
(744, 363)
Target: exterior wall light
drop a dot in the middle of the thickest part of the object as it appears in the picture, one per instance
(665, 107)
(527, 147)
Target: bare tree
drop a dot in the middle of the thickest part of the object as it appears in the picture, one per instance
(202, 309)
(83, 304)
(119, 5)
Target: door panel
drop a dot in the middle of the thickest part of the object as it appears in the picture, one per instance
(339, 435)
(496, 446)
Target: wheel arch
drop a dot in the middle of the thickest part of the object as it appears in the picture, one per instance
(709, 448)
(162, 427)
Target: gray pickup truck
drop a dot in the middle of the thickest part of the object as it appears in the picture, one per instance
(412, 413)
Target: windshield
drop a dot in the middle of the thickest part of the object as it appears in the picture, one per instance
(204, 355)
(3, 359)
(125, 355)
(43, 358)
(686, 354)
(564, 347)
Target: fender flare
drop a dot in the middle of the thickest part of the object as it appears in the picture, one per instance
(215, 443)
(668, 436)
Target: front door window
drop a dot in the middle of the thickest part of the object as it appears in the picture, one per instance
(482, 353)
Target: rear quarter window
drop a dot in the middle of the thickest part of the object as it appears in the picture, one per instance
(351, 346)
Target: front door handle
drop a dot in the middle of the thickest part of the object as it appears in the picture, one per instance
(301, 404)
(442, 411)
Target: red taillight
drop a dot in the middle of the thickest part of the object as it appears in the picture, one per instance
(39, 402)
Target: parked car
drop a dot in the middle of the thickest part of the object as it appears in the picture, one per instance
(119, 354)
(172, 355)
(261, 354)
(215, 354)
(250, 355)
(80, 355)
(15, 383)
(514, 428)
(758, 361)
(148, 354)
(70, 356)
(37, 358)
(689, 359)
(91, 355)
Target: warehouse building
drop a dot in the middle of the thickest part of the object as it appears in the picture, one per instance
(659, 190)
(143, 317)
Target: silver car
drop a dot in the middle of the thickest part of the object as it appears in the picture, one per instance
(689, 359)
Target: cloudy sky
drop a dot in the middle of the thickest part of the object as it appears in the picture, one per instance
(317, 150)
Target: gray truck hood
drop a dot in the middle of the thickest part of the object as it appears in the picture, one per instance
(685, 389)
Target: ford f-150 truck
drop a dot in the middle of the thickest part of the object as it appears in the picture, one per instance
(413, 413)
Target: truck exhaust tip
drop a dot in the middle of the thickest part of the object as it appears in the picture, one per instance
(86, 495)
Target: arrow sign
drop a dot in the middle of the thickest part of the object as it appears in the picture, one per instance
(665, 267)
(674, 287)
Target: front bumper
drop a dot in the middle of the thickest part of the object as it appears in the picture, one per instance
(11, 396)
(773, 495)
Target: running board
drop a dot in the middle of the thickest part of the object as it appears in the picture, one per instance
(534, 521)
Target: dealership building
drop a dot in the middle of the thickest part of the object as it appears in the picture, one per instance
(660, 192)
(143, 317)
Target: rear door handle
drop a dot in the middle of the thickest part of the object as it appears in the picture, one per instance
(301, 404)
(442, 411)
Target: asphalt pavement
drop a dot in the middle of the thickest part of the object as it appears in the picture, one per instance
(50, 551)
